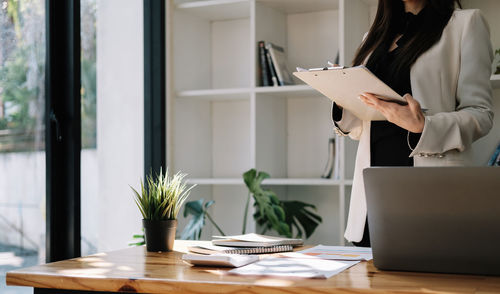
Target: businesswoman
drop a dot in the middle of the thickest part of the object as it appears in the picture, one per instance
(438, 57)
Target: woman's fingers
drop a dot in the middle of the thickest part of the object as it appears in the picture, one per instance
(377, 103)
(409, 116)
(370, 99)
(414, 104)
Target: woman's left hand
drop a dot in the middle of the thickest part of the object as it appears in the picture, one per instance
(409, 117)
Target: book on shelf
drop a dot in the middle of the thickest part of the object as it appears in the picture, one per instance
(264, 74)
(272, 70)
(254, 240)
(332, 167)
(214, 249)
(278, 58)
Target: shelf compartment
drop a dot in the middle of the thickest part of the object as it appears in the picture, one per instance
(328, 201)
(210, 53)
(216, 94)
(292, 136)
(301, 6)
(228, 209)
(217, 10)
(210, 139)
(300, 28)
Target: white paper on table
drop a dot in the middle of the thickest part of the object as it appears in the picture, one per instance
(333, 253)
(295, 267)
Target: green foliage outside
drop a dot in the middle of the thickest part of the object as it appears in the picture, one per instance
(88, 15)
(22, 57)
(22, 74)
(15, 94)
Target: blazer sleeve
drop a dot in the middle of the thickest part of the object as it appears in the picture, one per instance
(473, 117)
(346, 123)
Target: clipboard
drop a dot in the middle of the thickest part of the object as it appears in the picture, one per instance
(344, 85)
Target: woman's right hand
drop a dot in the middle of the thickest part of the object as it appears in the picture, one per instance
(409, 117)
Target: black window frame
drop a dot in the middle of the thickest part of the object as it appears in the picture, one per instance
(154, 86)
(62, 129)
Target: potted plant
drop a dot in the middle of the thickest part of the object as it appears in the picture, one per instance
(159, 201)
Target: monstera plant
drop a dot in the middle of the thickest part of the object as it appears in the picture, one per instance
(271, 213)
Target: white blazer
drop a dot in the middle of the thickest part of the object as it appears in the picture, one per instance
(451, 80)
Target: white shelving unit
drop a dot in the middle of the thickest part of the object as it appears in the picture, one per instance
(222, 123)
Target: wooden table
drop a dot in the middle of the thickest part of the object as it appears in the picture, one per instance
(135, 270)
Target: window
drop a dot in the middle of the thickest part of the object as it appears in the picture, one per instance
(22, 142)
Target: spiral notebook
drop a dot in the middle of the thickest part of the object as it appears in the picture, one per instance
(213, 249)
(254, 240)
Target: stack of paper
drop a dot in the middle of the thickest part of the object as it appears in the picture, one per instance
(295, 267)
(316, 262)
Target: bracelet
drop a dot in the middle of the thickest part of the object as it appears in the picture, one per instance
(408, 141)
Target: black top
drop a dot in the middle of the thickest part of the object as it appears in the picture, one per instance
(389, 142)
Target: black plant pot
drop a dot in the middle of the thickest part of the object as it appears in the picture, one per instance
(159, 234)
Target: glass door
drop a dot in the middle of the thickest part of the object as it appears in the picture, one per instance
(22, 131)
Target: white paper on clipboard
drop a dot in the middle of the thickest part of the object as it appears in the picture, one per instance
(344, 85)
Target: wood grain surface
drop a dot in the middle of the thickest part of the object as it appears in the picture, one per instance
(136, 270)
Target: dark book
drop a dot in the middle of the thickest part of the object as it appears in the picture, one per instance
(272, 70)
(265, 77)
(278, 58)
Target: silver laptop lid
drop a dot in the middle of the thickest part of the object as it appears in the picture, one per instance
(434, 219)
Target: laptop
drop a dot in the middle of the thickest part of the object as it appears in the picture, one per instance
(434, 219)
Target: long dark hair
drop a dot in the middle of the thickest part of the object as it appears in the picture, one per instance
(388, 18)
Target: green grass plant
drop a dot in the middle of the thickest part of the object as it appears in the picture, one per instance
(162, 196)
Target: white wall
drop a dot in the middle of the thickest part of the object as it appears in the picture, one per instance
(120, 119)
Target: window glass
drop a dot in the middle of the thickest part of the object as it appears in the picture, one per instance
(22, 142)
